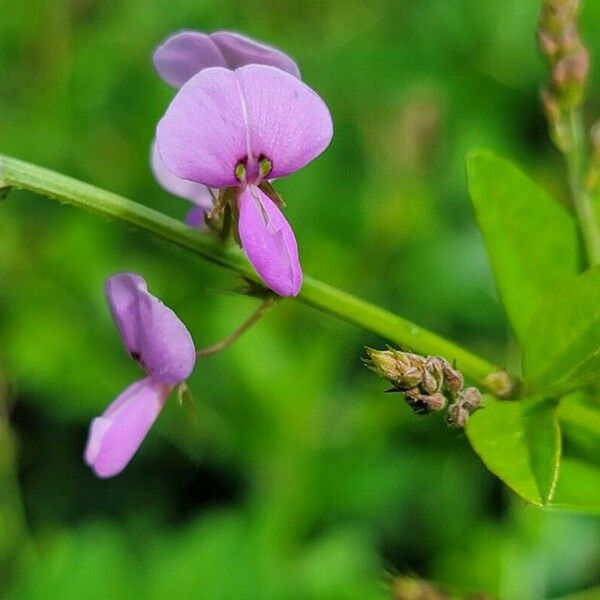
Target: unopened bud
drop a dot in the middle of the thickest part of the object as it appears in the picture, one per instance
(470, 399)
(457, 415)
(572, 69)
(500, 383)
(413, 399)
(435, 401)
(423, 403)
(433, 374)
(403, 369)
(454, 380)
(548, 44)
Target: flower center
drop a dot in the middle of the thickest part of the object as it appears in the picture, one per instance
(253, 171)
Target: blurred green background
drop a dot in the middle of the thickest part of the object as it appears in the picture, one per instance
(297, 478)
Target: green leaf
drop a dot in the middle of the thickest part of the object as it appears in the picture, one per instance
(579, 419)
(562, 345)
(578, 487)
(531, 240)
(520, 443)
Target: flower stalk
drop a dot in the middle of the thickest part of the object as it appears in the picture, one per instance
(66, 190)
(568, 58)
(239, 332)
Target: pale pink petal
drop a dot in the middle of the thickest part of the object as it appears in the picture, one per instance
(221, 117)
(289, 123)
(202, 136)
(115, 436)
(184, 54)
(239, 51)
(122, 293)
(269, 242)
(189, 190)
(195, 218)
(167, 349)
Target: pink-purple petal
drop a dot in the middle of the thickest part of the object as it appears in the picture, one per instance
(116, 435)
(239, 51)
(189, 190)
(151, 332)
(221, 117)
(167, 350)
(122, 293)
(269, 242)
(184, 54)
(288, 122)
(203, 135)
(195, 218)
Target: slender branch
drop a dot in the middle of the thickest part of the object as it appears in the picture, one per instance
(237, 333)
(26, 176)
(582, 202)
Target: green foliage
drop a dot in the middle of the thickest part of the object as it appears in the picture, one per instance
(520, 442)
(533, 249)
(564, 337)
(531, 240)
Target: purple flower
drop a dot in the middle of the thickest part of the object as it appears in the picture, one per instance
(236, 129)
(178, 59)
(159, 342)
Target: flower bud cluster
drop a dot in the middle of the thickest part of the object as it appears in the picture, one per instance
(569, 61)
(428, 383)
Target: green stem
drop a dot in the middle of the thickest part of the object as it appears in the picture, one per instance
(582, 202)
(26, 176)
(237, 333)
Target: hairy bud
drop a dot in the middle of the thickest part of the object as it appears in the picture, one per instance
(433, 374)
(457, 415)
(467, 402)
(424, 403)
(454, 380)
(429, 383)
(470, 398)
(403, 369)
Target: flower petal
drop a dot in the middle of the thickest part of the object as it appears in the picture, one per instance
(115, 436)
(151, 332)
(289, 123)
(184, 54)
(269, 242)
(239, 51)
(122, 292)
(195, 218)
(220, 117)
(194, 192)
(202, 136)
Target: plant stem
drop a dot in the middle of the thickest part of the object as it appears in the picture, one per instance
(237, 333)
(584, 208)
(26, 176)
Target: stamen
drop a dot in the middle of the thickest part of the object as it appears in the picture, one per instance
(240, 171)
(264, 166)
